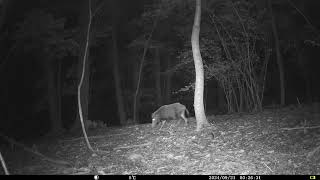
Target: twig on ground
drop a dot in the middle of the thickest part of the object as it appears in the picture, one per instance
(6, 172)
(312, 127)
(12, 141)
(138, 145)
(80, 138)
(311, 153)
(91, 137)
(266, 166)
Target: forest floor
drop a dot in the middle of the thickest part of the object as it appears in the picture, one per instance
(275, 141)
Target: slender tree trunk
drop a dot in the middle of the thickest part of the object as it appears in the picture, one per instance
(5, 52)
(278, 53)
(303, 66)
(158, 77)
(121, 111)
(168, 81)
(135, 76)
(84, 97)
(85, 93)
(83, 73)
(59, 91)
(136, 97)
(199, 84)
(205, 96)
(56, 125)
(4, 166)
(83, 65)
(4, 12)
(221, 98)
(308, 89)
(264, 71)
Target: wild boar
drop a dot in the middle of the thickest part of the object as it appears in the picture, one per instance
(168, 112)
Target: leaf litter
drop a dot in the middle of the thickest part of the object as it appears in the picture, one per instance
(275, 141)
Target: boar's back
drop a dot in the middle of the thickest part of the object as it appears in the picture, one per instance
(170, 111)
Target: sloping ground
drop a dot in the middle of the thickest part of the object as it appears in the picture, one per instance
(275, 141)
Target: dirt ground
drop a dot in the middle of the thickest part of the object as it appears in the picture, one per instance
(275, 141)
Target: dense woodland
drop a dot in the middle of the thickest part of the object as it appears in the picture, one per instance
(256, 54)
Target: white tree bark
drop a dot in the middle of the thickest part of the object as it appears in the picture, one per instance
(199, 84)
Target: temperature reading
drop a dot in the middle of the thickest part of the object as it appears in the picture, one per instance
(132, 177)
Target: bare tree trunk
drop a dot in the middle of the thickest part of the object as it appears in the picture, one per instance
(199, 84)
(4, 11)
(303, 66)
(168, 82)
(4, 89)
(84, 65)
(136, 100)
(279, 57)
(52, 90)
(136, 97)
(145, 49)
(4, 166)
(221, 98)
(85, 89)
(59, 92)
(205, 96)
(158, 77)
(121, 111)
(264, 70)
(83, 72)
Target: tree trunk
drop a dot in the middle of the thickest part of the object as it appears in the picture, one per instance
(279, 57)
(59, 91)
(221, 98)
(56, 125)
(158, 77)
(84, 41)
(121, 111)
(168, 82)
(85, 66)
(136, 97)
(135, 102)
(4, 12)
(199, 84)
(303, 67)
(85, 93)
(4, 89)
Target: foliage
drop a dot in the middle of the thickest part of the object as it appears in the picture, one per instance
(42, 31)
(232, 45)
(230, 33)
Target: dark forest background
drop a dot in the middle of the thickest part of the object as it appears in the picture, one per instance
(246, 45)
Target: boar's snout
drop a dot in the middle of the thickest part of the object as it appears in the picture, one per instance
(154, 122)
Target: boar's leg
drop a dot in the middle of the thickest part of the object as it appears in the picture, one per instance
(184, 118)
(162, 124)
